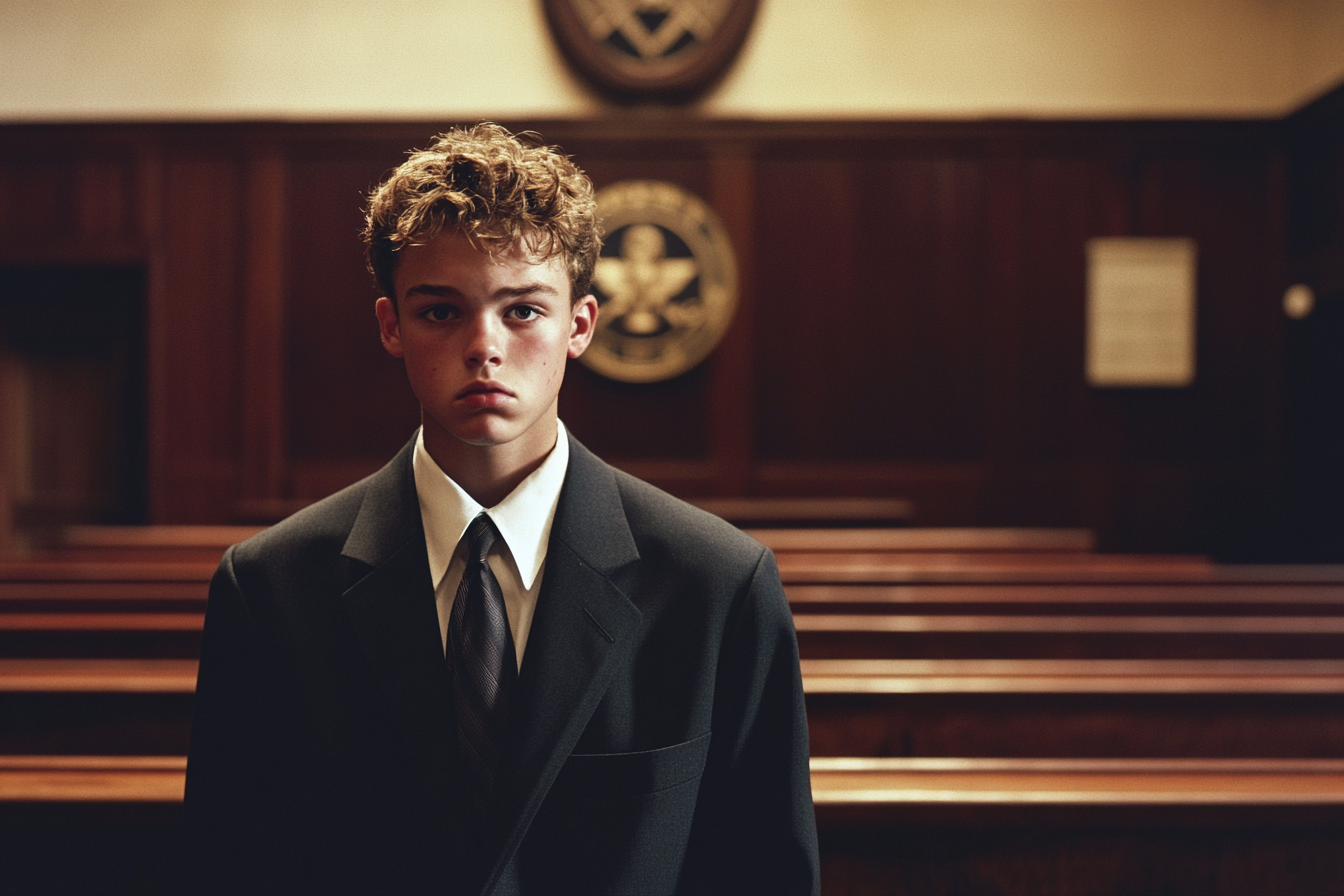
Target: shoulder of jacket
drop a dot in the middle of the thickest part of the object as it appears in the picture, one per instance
(320, 527)
(655, 515)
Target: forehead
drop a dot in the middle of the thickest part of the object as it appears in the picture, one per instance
(450, 259)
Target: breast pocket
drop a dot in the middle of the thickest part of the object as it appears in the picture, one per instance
(616, 822)
(633, 774)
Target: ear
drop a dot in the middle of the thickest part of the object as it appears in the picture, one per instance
(389, 326)
(583, 322)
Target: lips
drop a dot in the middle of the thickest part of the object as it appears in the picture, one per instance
(484, 394)
(484, 387)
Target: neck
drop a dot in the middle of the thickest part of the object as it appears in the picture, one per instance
(490, 472)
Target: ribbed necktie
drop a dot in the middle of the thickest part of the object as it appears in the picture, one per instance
(484, 665)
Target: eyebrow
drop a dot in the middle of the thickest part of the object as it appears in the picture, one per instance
(508, 292)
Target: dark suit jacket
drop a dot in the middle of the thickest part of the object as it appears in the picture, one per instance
(659, 742)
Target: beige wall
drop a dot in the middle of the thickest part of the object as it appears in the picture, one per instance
(324, 59)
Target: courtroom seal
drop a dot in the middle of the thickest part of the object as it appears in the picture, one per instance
(666, 282)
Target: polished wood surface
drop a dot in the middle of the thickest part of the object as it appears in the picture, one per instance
(1230, 597)
(820, 676)
(98, 676)
(835, 781)
(889, 568)
(1153, 782)
(92, 778)
(926, 540)
(809, 511)
(1055, 676)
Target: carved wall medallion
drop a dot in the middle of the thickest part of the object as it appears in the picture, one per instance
(650, 49)
(666, 282)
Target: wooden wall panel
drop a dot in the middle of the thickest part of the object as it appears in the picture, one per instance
(912, 319)
(199, 319)
(347, 398)
(872, 325)
(66, 194)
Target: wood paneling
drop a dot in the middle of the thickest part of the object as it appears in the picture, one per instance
(346, 397)
(200, 321)
(911, 323)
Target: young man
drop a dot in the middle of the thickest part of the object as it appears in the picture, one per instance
(498, 665)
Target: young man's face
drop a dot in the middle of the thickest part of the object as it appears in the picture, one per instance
(485, 341)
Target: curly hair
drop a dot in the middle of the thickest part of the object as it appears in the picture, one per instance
(498, 191)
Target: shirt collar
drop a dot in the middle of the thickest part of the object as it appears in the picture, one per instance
(523, 518)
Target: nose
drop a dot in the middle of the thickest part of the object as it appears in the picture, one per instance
(483, 342)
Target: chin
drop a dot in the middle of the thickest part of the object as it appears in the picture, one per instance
(485, 433)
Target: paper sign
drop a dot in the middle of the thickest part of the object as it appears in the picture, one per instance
(1140, 312)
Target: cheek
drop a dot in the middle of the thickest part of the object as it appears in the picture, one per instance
(423, 367)
(545, 356)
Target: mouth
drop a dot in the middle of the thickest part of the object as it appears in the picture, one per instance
(484, 387)
(485, 393)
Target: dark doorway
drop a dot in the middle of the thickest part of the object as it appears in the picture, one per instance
(72, 405)
(1314, 434)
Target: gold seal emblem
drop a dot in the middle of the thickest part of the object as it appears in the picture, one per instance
(666, 282)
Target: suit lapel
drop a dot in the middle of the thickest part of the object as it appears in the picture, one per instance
(584, 625)
(392, 608)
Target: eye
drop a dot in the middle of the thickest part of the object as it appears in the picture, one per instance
(439, 313)
(525, 312)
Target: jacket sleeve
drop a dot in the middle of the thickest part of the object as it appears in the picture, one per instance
(235, 767)
(755, 830)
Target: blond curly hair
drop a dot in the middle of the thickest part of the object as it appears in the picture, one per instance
(498, 191)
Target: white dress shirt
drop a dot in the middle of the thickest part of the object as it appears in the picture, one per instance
(518, 556)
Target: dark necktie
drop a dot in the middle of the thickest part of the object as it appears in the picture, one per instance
(483, 662)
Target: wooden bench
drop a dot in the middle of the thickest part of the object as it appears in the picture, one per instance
(204, 544)
(835, 512)
(1154, 782)
(1001, 636)
(835, 780)
(65, 706)
(890, 568)
(876, 708)
(820, 635)
(1078, 708)
(942, 540)
(93, 779)
(886, 825)
(1206, 598)
(819, 676)
(1079, 826)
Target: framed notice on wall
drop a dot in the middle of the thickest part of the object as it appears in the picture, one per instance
(1140, 312)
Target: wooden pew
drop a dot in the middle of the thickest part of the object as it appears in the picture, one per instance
(1071, 826)
(991, 568)
(847, 781)
(1024, 708)
(92, 779)
(1076, 708)
(205, 544)
(942, 540)
(886, 825)
(871, 636)
(848, 635)
(1322, 598)
(836, 781)
(88, 706)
